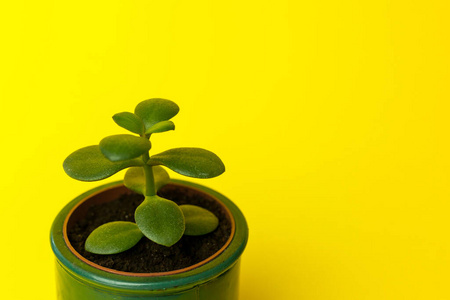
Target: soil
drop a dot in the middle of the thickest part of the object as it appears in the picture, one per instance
(147, 256)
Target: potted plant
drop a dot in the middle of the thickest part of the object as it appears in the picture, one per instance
(148, 236)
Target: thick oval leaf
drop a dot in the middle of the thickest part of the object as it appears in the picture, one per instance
(161, 127)
(135, 180)
(130, 122)
(198, 221)
(155, 110)
(113, 237)
(160, 220)
(89, 164)
(193, 162)
(124, 146)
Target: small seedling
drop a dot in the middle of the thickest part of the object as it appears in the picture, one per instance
(161, 220)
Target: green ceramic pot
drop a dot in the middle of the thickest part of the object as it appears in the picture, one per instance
(215, 278)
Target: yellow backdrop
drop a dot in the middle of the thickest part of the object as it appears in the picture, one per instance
(332, 118)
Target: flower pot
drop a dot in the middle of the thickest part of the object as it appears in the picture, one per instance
(214, 278)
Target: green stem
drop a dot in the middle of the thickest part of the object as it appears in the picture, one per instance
(150, 189)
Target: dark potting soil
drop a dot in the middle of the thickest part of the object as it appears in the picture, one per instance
(147, 256)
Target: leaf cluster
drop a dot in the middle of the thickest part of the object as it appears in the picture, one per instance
(161, 220)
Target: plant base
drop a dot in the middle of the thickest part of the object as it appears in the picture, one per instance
(214, 278)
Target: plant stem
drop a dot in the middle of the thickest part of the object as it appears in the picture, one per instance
(149, 178)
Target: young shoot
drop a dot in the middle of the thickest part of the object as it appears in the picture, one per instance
(159, 219)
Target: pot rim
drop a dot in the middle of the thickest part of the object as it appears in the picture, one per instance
(97, 266)
(101, 279)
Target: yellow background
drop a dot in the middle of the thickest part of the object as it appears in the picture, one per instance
(332, 118)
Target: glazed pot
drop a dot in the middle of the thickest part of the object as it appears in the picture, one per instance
(214, 278)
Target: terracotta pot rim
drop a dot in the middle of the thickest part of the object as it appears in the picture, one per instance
(154, 274)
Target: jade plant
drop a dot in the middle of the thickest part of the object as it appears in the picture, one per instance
(159, 219)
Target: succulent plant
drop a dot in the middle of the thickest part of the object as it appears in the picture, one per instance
(159, 219)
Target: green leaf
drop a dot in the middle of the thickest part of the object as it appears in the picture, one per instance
(155, 110)
(130, 122)
(193, 162)
(198, 221)
(89, 164)
(124, 146)
(113, 237)
(135, 179)
(161, 127)
(160, 220)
